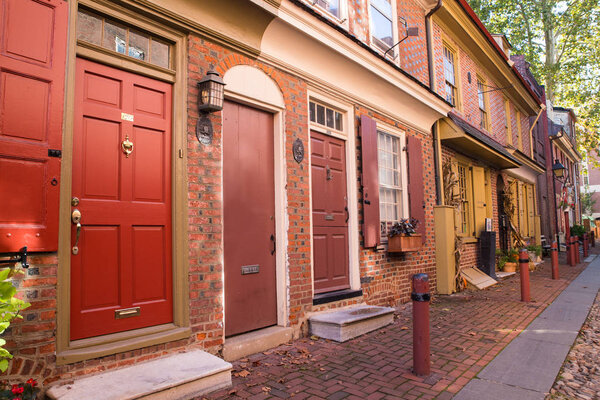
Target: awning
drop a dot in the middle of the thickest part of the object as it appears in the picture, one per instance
(528, 171)
(463, 137)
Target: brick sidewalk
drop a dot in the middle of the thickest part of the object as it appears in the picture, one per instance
(468, 330)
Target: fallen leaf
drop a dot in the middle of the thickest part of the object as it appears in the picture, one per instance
(232, 392)
(313, 337)
(472, 333)
(404, 328)
(281, 380)
(243, 373)
(321, 369)
(266, 389)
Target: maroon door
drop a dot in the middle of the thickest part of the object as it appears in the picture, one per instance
(121, 272)
(33, 41)
(329, 212)
(249, 219)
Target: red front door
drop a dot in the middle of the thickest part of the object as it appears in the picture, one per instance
(121, 276)
(249, 219)
(329, 213)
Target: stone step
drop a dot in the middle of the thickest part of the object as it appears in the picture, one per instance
(179, 376)
(348, 323)
(254, 342)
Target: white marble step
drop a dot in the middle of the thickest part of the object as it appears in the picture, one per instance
(178, 376)
(348, 323)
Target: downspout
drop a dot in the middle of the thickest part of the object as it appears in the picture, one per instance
(556, 209)
(439, 199)
(542, 108)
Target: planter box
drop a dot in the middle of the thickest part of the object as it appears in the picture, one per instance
(404, 244)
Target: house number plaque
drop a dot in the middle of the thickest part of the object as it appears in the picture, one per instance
(250, 269)
(298, 150)
(204, 130)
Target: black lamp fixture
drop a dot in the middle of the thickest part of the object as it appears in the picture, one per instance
(210, 99)
(558, 169)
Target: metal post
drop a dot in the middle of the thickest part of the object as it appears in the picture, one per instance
(586, 245)
(554, 257)
(524, 270)
(577, 260)
(571, 252)
(420, 297)
(593, 238)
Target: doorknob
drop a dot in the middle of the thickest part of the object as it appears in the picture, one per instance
(76, 218)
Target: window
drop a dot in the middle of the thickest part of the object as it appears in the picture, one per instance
(326, 116)
(331, 6)
(465, 204)
(519, 128)
(507, 124)
(483, 123)
(114, 36)
(391, 182)
(450, 76)
(382, 27)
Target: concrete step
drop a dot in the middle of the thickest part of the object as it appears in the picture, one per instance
(178, 376)
(348, 323)
(254, 342)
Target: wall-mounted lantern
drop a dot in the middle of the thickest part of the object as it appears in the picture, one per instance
(210, 99)
(558, 169)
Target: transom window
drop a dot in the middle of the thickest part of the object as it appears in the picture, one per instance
(326, 116)
(331, 6)
(482, 105)
(450, 76)
(391, 185)
(381, 23)
(114, 36)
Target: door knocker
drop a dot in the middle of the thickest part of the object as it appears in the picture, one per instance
(329, 176)
(127, 146)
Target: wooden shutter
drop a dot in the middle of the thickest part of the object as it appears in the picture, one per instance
(416, 183)
(530, 211)
(479, 206)
(370, 182)
(33, 35)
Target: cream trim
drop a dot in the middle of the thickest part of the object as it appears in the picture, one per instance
(351, 182)
(181, 322)
(270, 100)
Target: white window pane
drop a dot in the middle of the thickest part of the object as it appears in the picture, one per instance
(320, 114)
(311, 107)
(384, 6)
(382, 27)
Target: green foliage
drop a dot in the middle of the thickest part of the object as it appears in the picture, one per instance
(10, 307)
(511, 255)
(577, 230)
(587, 202)
(535, 249)
(560, 40)
(21, 391)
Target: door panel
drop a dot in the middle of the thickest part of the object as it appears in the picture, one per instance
(33, 37)
(330, 225)
(124, 257)
(249, 218)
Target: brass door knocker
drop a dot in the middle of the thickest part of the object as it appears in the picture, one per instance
(127, 146)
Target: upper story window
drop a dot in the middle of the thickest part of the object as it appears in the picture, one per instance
(326, 116)
(114, 36)
(331, 6)
(483, 117)
(507, 127)
(392, 185)
(450, 75)
(382, 27)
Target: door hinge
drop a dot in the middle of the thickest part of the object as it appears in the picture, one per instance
(54, 153)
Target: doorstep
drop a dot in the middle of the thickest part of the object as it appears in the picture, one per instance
(178, 376)
(243, 345)
(348, 323)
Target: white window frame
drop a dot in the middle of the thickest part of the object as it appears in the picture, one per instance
(393, 54)
(403, 211)
(343, 5)
(481, 97)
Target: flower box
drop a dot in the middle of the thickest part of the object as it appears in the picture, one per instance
(404, 244)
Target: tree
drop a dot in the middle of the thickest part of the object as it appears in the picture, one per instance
(560, 40)
(587, 202)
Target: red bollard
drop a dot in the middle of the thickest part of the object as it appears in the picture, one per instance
(524, 270)
(420, 297)
(586, 244)
(572, 251)
(554, 258)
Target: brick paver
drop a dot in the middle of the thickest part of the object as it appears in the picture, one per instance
(468, 330)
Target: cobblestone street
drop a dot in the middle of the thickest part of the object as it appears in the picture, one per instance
(580, 375)
(468, 330)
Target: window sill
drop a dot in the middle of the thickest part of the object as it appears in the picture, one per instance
(85, 349)
(469, 239)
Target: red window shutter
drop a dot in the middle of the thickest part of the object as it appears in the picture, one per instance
(32, 77)
(370, 182)
(415, 182)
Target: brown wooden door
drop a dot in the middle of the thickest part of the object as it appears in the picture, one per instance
(329, 213)
(249, 219)
(33, 40)
(124, 257)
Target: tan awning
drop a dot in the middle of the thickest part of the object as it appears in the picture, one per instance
(463, 137)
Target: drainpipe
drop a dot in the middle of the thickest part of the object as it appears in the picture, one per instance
(439, 200)
(556, 213)
(542, 108)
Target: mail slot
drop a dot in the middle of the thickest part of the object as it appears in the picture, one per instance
(127, 312)
(329, 217)
(250, 269)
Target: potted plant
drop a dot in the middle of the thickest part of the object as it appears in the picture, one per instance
(510, 260)
(578, 230)
(402, 237)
